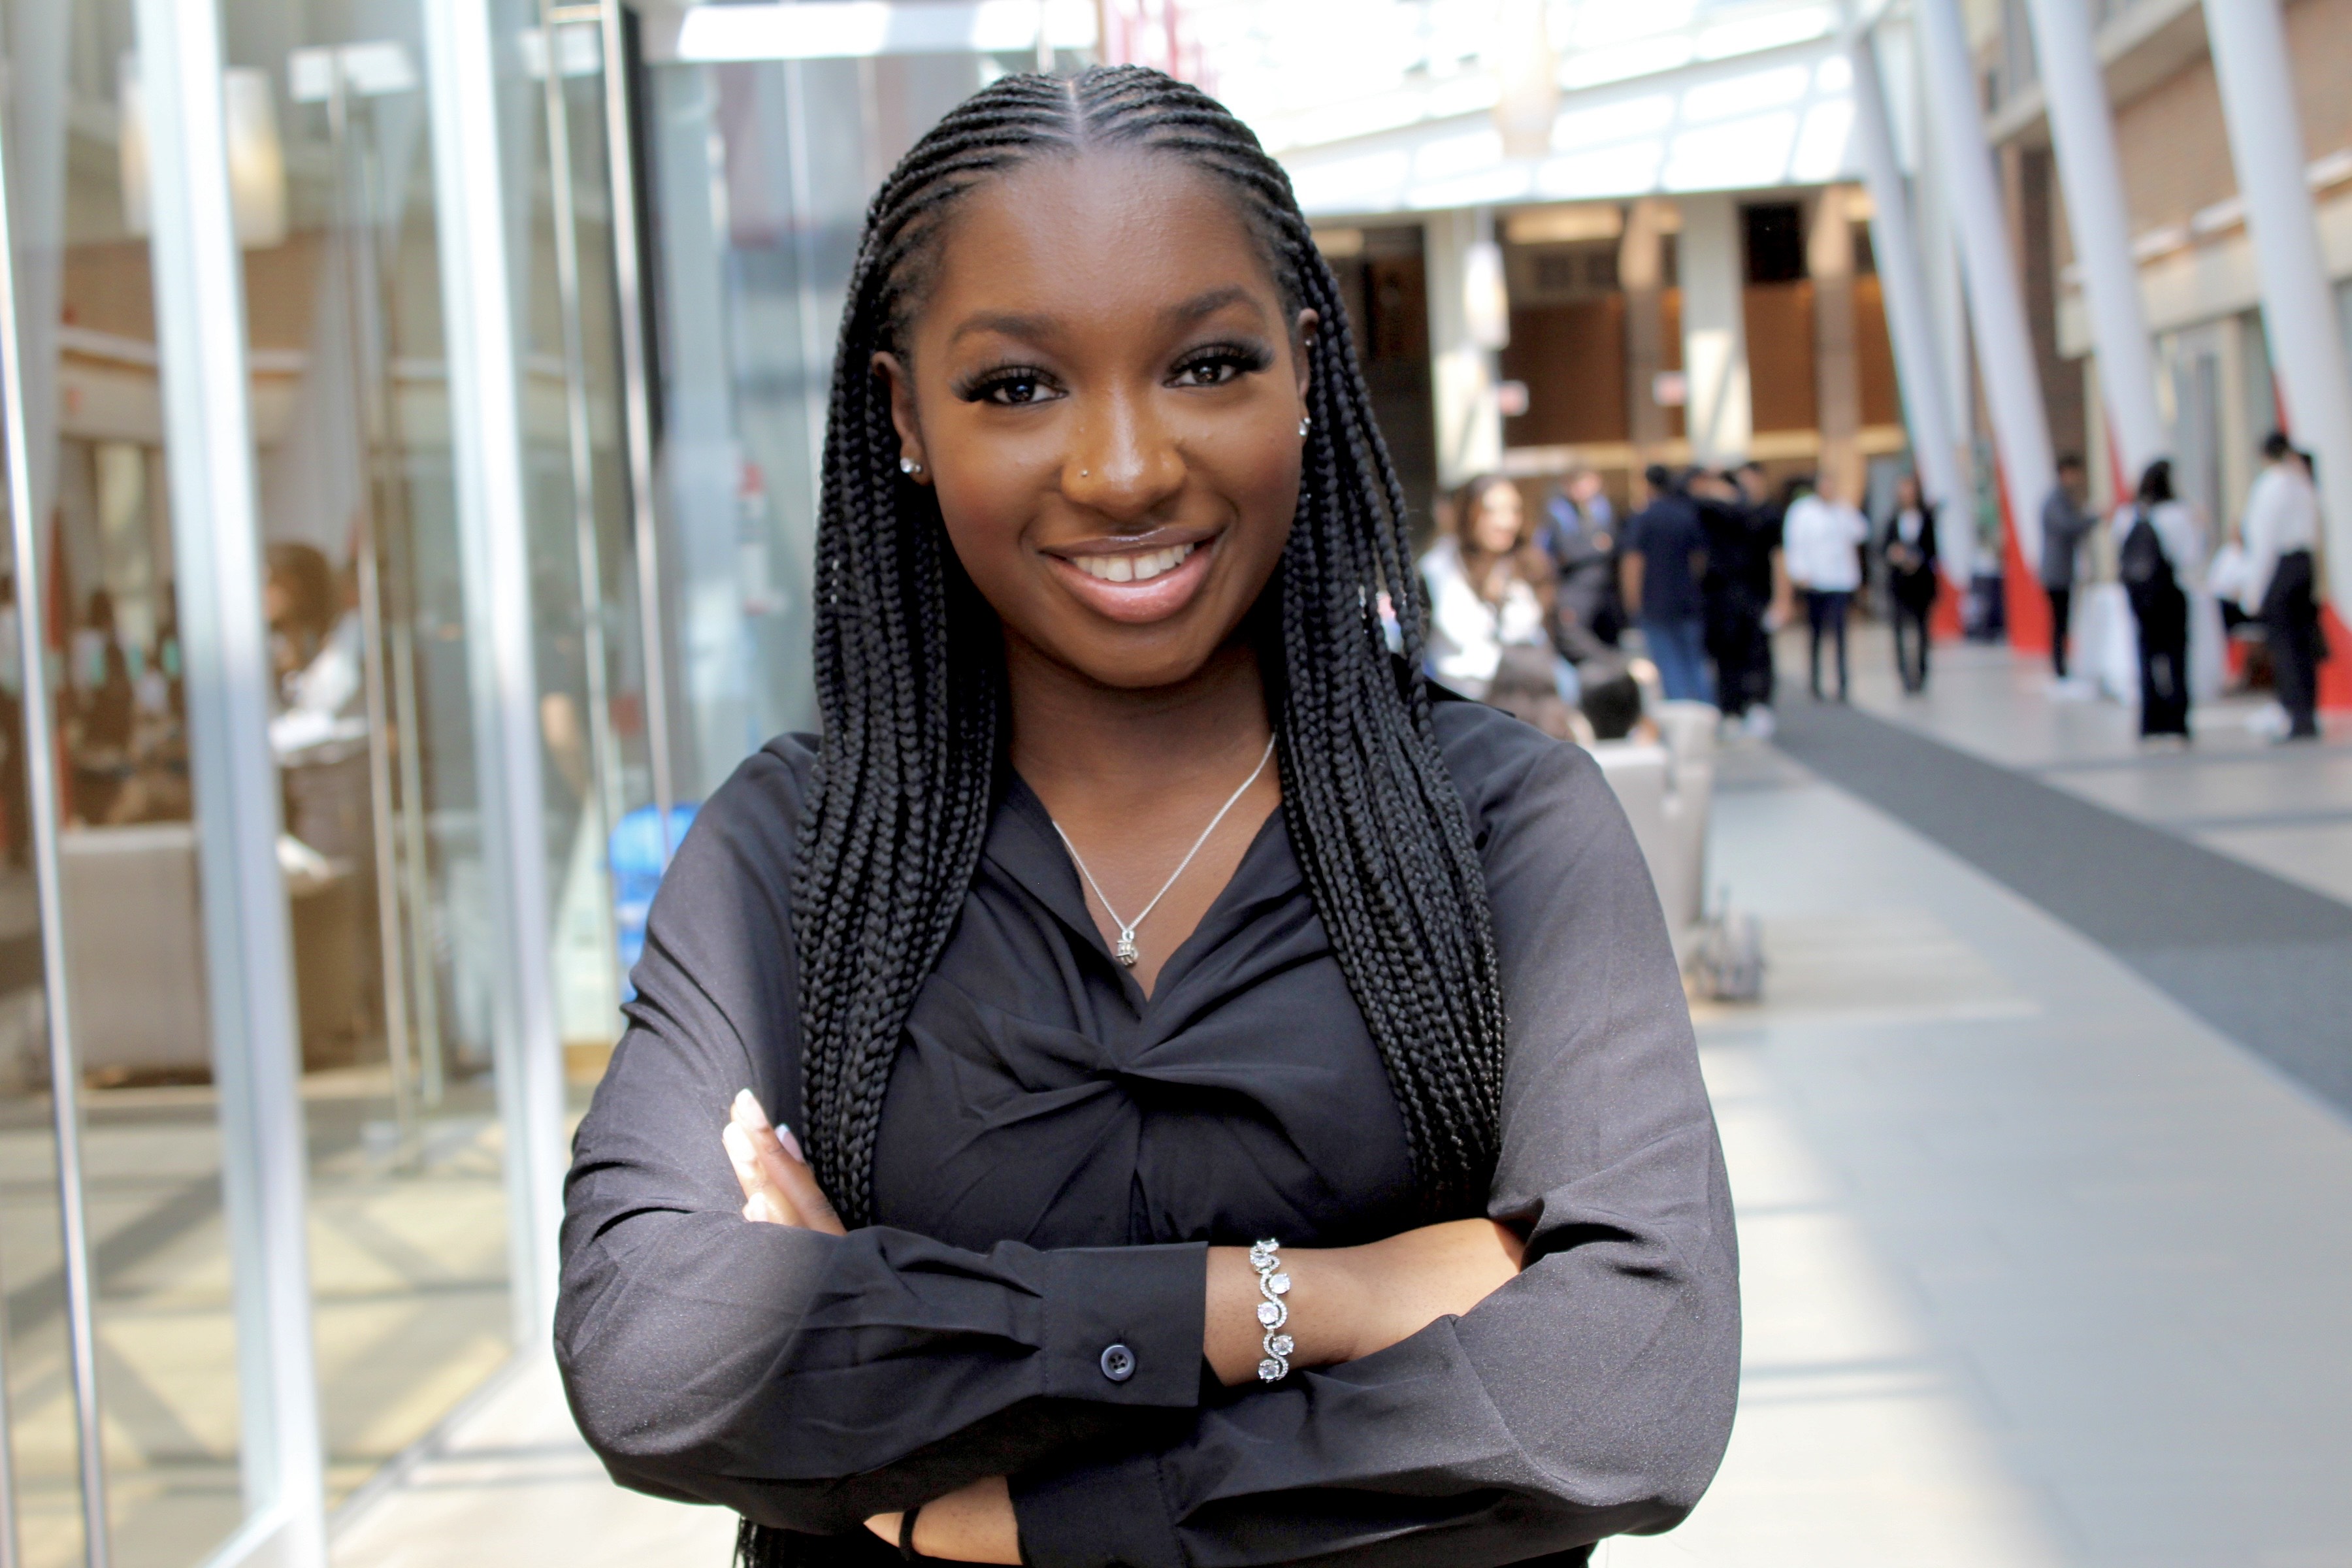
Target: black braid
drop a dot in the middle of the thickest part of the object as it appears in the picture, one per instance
(910, 682)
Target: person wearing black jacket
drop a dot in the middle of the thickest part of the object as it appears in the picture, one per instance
(1738, 564)
(1908, 543)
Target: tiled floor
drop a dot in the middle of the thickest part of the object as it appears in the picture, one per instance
(2286, 809)
(2039, 1268)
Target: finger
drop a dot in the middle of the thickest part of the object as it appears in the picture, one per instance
(783, 1167)
(799, 1185)
(763, 1200)
(740, 1156)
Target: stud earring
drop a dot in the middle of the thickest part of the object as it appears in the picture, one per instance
(908, 467)
(1303, 421)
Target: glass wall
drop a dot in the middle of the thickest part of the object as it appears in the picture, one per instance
(162, 1352)
(127, 1389)
(759, 173)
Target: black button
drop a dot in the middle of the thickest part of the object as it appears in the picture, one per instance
(1119, 1364)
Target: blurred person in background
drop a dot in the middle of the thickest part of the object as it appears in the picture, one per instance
(2159, 558)
(2281, 530)
(1490, 590)
(1663, 561)
(1738, 590)
(2063, 523)
(1907, 541)
(1768, 519)
(16, 806)
(1824, 538)
(1580, 536)
(104, 710)
(1212, 1229)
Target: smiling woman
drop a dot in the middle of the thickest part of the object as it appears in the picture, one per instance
(1357, 1194)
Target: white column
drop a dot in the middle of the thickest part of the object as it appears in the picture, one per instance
(1719, 417)
(2257, 104)
(2020, 426)
(1910, 322)
(1459, 247)
(248, 966)
(2083, 137)
(486, 420)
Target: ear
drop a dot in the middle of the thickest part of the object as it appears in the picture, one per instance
(1302, 344)
(893, 369)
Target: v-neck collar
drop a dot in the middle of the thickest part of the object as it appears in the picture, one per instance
(1023, 844)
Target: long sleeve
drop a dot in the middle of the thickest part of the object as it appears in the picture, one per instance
(810, 1381)
(1592, 1394)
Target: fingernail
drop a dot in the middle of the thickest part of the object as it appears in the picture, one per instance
(768, 1210)
(791, 1144)
(738, 1143)
(747, 1106)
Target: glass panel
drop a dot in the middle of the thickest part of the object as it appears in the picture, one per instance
(373, 729)
(167, 1349)
(758, 174)
(595, 767)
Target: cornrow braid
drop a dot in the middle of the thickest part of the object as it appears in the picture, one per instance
(911, 685)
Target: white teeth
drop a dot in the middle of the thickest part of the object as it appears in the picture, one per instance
(1132, 568)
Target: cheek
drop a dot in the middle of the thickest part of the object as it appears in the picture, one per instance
(1261, 475)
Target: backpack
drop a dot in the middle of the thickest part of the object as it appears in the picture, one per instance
(2141, 563)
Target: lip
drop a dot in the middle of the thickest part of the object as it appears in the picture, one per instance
(1139, 604)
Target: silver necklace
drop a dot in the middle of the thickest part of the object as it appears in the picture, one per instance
(1126, 948)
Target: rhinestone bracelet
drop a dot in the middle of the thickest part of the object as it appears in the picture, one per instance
(1272, 1314)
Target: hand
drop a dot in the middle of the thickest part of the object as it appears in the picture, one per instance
(779, 1188)
(971, 1524)
(1349, 1302)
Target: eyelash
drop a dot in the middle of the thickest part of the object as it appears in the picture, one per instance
(1243, 359)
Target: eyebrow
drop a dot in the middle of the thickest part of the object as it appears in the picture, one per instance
(1036, 328)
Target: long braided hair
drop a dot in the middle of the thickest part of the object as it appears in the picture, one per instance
(910, 683)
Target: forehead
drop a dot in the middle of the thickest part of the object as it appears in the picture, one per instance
(1100, 235)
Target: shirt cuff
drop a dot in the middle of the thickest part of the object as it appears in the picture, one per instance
(1094, 1515)
(1123, 1324)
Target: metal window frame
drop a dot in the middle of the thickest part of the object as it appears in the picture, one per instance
(209, 453)
(37, 725)
(486, 418)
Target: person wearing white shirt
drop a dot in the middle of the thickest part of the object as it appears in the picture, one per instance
(1487, 591)
(2282, 528)
(1823, 533)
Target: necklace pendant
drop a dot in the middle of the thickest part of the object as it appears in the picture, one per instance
(1126, 949)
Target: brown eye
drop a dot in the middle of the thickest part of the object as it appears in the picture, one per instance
(1013, 392)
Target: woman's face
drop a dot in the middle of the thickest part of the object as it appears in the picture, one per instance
(1105, 391)
(1495, 518)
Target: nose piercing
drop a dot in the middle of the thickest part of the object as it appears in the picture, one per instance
(1084, 472)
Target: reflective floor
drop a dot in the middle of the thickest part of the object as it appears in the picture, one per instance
(408, 1264)
(2039, 1266)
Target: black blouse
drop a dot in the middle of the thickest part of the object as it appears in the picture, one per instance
(1056, 1150)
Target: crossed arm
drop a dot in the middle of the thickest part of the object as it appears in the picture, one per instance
(1346, 1303)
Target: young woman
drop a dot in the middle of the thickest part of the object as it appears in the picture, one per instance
(1490, 591)
(1245, 1110)
(1908, 543)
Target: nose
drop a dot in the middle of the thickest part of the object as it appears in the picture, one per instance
(1123, 463)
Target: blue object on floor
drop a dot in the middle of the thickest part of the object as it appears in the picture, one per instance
(638, 857)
